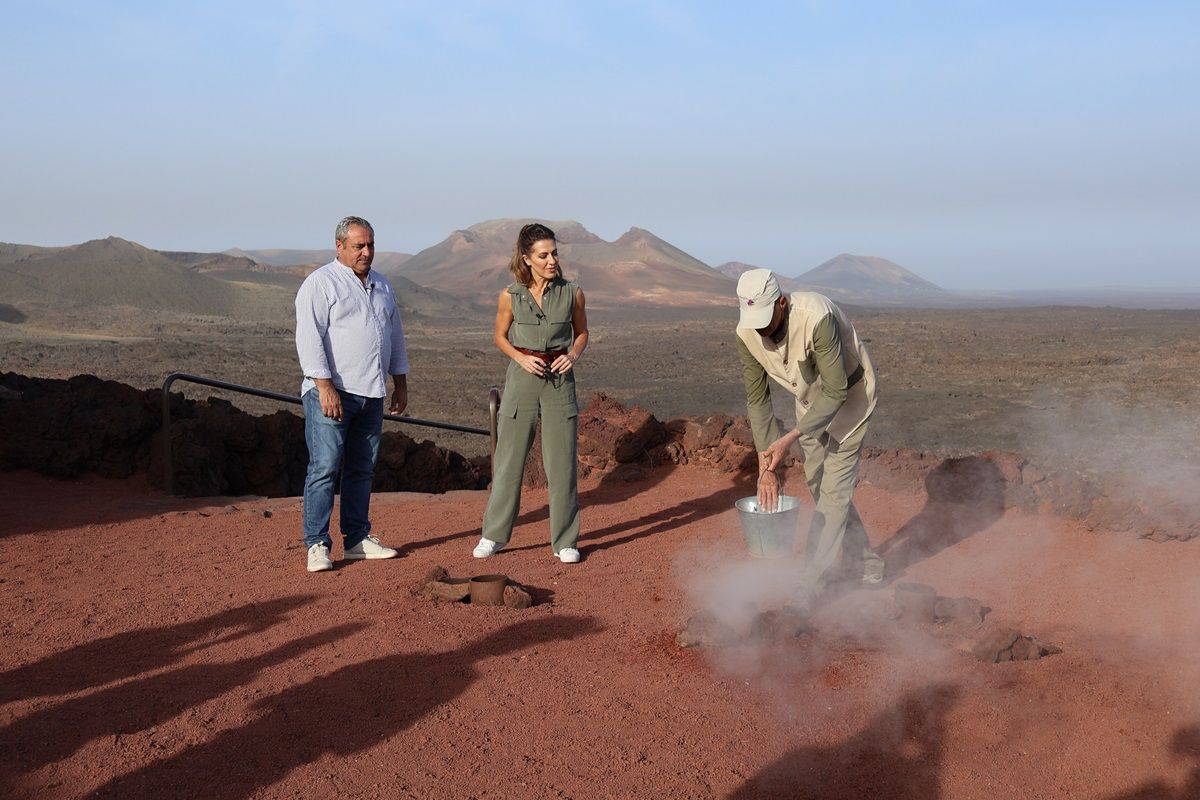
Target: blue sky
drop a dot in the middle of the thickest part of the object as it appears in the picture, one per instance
(982, 145)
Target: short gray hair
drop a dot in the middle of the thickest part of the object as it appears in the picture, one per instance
(343, 228)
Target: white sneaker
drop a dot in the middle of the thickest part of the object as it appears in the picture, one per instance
(487, 547)
(568, 555)
(318, 558)
(369, 548)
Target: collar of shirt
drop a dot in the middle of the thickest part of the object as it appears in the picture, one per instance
(348, 274)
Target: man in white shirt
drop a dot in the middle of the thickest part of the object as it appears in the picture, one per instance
(349, 337)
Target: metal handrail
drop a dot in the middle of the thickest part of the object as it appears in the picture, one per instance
(168, 469)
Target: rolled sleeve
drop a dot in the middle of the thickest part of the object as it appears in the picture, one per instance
(830, 366)
(312, 323)
(763, 425)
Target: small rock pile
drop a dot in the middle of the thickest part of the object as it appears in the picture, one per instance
(67, 428)
(1007, 644)
(704, 629)
(86, 425)
(918, 603)
(956, 622)
(439, 586)
(621, 442)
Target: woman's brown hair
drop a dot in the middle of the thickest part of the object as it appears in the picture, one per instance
(530, 235)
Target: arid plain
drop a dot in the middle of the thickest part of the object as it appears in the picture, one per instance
(1091, 384)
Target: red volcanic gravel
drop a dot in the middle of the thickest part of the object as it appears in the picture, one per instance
(156, 647)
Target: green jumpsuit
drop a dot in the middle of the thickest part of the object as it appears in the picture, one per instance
(525, 398)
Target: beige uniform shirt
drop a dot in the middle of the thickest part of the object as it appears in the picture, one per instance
(819, 359)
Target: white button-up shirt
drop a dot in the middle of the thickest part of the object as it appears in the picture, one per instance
(348, 332)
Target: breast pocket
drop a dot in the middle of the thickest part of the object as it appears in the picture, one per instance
(523, 312)
(558, 328)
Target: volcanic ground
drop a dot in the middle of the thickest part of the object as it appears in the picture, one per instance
(159, 647)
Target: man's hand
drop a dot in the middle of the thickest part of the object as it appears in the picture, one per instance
(768, 461)
(768, 491)
(399, 398)
(331, 401)
(772, 457)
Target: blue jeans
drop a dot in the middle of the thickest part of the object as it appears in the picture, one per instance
(351, 445)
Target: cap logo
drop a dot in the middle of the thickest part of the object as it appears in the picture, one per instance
(749, 302)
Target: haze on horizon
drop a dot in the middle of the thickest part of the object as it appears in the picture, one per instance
(1013, 146)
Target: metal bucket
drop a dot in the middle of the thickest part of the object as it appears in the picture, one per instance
(769, 534)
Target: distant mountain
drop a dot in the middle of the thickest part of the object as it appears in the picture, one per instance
(734, 269)
(870, 280)
(311, 259)
(214, 262)
(109, 272)
(283, 258)
(637, 269)
(15, 252)
(420, 301)
(113, 272)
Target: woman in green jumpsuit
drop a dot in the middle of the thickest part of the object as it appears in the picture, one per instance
(541, 326)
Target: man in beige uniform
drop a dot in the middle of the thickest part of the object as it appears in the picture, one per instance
(808, 346)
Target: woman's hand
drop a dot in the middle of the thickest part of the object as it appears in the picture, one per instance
(531, 364)
(563, 364)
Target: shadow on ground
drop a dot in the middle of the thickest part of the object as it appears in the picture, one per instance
(1184, 745)
(614, 488)
(130, 654)
(963, 497)
(59, 731)
(332, 714)
(898, 756)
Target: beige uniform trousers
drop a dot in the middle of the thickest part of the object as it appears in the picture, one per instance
(831, 469)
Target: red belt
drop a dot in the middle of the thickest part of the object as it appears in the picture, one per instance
(545, 355)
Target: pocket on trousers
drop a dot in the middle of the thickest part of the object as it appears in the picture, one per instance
(569, 401)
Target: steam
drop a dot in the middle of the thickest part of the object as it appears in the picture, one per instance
(845, 632)
(1124, 609)
(1150, 448)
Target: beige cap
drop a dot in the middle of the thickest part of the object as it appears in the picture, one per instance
(757, 292)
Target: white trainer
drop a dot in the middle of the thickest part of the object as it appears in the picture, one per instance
(369, 548)
(318, 558)
(568, 555)
(487, 547)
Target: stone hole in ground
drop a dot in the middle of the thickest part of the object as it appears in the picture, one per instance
(439, 586)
